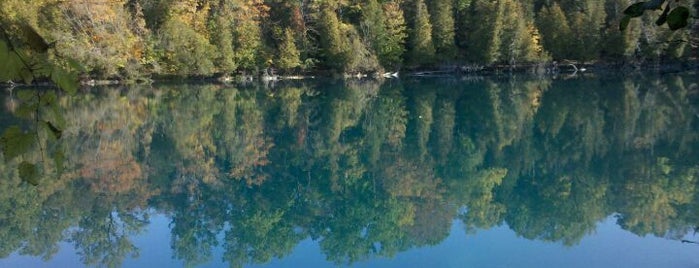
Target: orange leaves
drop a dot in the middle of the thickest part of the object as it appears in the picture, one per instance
(251, 10)
(192, 13)
(114, 170)
(254, 158)
(409, 179)
(101, 32)
(136, 51)
(96, 11)
(297, 22)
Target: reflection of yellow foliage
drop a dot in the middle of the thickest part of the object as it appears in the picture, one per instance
(255, 156)
(407, 217)
(408, 179)
(113, 171)
(432, 222)
(653, 196)
(104, 135)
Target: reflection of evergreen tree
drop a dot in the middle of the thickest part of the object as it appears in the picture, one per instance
(421, 121)
(364, 169)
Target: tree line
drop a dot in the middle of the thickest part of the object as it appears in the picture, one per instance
(135, 38)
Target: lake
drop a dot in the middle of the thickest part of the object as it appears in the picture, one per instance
(576, 171)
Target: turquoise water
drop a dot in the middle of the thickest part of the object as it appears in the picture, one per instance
(510, 172)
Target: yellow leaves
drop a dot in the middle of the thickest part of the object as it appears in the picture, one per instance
(136, 51)
(96, 11)
(99, 33)
(193, 14)
(21, 10)
(254, 156)
(535, 42)
(410, 180)
(407, 216)
(664, 165)
(252, 10)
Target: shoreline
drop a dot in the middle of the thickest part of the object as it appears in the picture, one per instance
(552, 69)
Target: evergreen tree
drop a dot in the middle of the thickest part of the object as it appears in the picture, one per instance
(422, 49)
(586, 23)
(484, 40)
(462, 25)
(128, 38)
(333, 46)
(372, 25)
(289, 55)
(555, 32)
(441, 14)
(247, 34)
(185, 51)
(222, 37)
(392, 47)
(360, 58)
(615, 44)
(384, 29)
(520, 38)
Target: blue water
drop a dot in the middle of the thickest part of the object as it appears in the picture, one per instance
(609, 246)
(586, 171)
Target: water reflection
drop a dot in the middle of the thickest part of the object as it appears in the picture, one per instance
(366, 169)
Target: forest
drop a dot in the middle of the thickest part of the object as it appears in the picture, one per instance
(133, 39)
(255, 170)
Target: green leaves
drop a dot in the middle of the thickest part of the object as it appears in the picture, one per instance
(15, 142)
(26, 95)
(32, 38)
(57, 133)
(289, 55)
(11, 63)
(15, 65)
(663, 17)
(635, 10)
(33, 60)
(678, 18)
(66, 80)
(59, 158)
(29, 172)
(624, 23)
(46, 129)
(675, 19)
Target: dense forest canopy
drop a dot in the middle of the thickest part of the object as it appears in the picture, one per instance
(133, 38)
(354, 165)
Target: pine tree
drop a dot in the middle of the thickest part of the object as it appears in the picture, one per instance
(222, 37)
(585, 23)
(247, 34)
(332, 43)
(289, 55)
(617, 44)
(462, 10)
(519, 36)
(360, 58)
(441, 14)
(392, 47)
(372, 25)
(555, 32)
(484, 40)
(186, 52)
(421, 47)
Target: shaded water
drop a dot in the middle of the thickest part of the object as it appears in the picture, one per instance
(448, 173)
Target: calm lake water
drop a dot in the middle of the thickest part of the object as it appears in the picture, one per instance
(484, 172)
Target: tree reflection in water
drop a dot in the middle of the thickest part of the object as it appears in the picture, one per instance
(367, 169)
